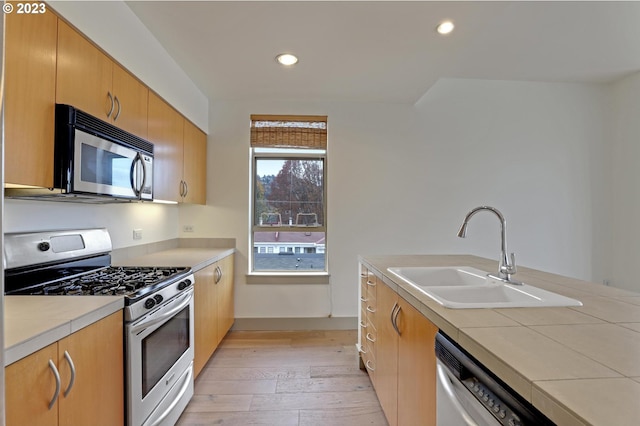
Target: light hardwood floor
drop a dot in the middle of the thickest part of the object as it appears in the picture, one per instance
(301, 378)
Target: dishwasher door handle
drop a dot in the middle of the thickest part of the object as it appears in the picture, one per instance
(445, 381)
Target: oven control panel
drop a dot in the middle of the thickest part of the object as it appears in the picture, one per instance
(147, 302)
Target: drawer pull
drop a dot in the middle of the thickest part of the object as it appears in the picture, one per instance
(368, 366)
(362, 324)
(371, 283)
(363, 299)
(370, 309)
(370, 338)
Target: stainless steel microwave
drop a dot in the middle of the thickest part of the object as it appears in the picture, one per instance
(95, 158)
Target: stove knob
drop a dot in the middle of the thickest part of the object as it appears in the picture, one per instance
(184, 284)
(158, 298)
(149, 303)
(44, 246)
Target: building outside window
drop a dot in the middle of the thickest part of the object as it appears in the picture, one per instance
(288, 211)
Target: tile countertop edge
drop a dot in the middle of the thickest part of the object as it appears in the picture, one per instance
(454, 321)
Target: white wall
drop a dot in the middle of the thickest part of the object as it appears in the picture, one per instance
(625, 206)
(401, 178)
(157, 221)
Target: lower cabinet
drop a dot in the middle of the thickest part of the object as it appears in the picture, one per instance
(213, 309)
(92, 395)
(405, 373)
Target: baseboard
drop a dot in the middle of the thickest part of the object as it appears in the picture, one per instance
(283, 324)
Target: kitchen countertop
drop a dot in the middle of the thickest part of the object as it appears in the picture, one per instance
(196, 258)
(33, 322)
(578, 365)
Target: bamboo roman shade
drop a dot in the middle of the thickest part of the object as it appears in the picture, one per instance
(289, 131)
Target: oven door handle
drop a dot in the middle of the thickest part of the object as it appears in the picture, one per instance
(146, 324)
(176, 400)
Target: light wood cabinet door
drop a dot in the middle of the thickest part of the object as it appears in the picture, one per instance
(194, 164)
(166, 132)
(131, 99)
(30, 386)
(386, 383)
(205, 317)
(30, 90)
(226, 311)
(97, 395)
(84, 74)
(416, 367)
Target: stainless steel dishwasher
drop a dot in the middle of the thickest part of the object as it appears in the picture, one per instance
(470, 395)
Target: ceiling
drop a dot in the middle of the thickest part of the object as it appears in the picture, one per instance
(375, 51)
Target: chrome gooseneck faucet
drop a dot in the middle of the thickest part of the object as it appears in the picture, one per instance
(507, 265)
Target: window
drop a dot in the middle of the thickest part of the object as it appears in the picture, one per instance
(288, 212)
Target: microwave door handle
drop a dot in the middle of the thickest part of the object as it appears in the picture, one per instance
(137, 190)
(133, 175)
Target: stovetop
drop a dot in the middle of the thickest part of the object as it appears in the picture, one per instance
(108, 281)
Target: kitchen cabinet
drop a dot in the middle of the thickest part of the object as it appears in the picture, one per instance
(225, 283)
(97, 394)
(405, 367)
(91, 81)
(213, 309)
(30, 90)
(194, 165)
(180, 152)
(368, 324)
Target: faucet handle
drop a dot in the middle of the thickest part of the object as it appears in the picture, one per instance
(513, 269)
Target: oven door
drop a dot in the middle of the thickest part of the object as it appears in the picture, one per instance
(160, 363)
(107, 168)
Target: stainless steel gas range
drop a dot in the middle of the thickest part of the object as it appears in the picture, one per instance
(158, 311)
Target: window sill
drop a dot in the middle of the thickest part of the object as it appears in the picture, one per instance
(281, 278)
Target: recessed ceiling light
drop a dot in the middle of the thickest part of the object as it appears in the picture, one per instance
(445, 27)
(287, 59)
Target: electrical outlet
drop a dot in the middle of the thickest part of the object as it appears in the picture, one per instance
(187, 228)
(137, 234)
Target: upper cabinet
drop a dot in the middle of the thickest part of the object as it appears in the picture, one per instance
(180, 152)
(194, 163)
(30, 90)
(49, 62)
(89, 80)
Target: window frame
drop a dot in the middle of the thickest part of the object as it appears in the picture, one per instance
(286, 153)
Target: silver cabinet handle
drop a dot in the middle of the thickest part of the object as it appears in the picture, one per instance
(370, 338)
(371, 283)
(53, 368)
(394, 318)
(112, 104)
(368, 366)
(117, 101)
(72, 380)
(218, 275)
(370, 309)
(183, 188)
(363, 299)
(186, 189)
(362, 324)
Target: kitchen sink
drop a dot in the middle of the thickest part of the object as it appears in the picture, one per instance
(460, 287)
